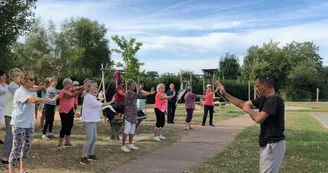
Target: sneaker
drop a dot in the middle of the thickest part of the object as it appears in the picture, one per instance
(133, 147)
(5, 162)
(51, 136)
(162, 137)
(156, 138)
(69, 145)
(125, 149)
(44, 137)
(93, 158)
(84, 161)
(61, 146)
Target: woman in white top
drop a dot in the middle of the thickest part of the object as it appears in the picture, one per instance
(3, 90)
(23, 120)
(90, 117)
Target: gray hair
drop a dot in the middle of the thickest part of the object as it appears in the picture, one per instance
(89, 83)
(67, 81)
(76, 83)
(208, 85)
(130, 81)
(188, 88)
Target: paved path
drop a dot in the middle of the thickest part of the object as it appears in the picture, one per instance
(323, 118)
(199, 145)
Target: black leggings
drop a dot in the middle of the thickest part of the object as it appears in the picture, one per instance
(189, 115)
(67, 120)
(206, 109)
(50, 116)
(160, 118)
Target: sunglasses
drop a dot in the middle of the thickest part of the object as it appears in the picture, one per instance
(31, 79)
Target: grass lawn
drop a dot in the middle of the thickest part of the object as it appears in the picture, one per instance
(306, 140)
(45, 157)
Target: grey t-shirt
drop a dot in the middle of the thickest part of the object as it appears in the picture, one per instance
(23, 113)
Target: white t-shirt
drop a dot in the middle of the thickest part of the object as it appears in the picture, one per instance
(90, 109)
(3, 90)
(23, 113)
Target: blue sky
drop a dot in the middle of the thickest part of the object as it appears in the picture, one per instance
(194, 34)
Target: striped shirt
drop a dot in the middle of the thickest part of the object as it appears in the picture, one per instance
(51, 93)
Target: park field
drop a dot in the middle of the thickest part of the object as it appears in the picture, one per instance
(306, 140)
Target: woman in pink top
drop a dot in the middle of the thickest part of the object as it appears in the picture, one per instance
(160, 109)
(208, 104)
(67, 111)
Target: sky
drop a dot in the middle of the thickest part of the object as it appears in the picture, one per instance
(194, 34)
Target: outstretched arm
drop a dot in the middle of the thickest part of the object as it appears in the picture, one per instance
(235, 101)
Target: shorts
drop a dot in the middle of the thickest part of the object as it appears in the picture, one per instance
(129, 128)
(41, 107)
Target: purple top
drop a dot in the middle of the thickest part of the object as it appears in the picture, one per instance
(190, 100)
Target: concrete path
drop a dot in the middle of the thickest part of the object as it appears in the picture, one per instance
(323, 118)
(199, 145)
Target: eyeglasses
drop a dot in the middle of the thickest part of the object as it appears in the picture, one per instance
(31, 79)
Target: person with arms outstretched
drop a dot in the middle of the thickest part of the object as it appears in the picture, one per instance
(271, 117)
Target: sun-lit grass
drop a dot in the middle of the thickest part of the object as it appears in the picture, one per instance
(307, 146)
(45, 157)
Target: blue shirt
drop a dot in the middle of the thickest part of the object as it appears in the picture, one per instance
(23, 113)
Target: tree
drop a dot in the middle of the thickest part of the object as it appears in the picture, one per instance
(267, 60)
(152, 74)
(229, 67)
(16, 17)
(83, 46)
(128, 51)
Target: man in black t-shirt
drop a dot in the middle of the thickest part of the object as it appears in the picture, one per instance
(271, 117)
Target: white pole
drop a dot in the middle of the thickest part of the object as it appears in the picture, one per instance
(317, 98)
(103, 80)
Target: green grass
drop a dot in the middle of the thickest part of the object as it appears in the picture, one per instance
(306, 140)
(45, 157)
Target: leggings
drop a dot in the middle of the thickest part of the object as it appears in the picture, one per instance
(67, 120)
(160, 118)
(22, 141)
(50, 116)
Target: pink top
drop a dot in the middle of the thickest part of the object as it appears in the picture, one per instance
(75, 98)
(209, 100)
(65, 104)
(159, 103)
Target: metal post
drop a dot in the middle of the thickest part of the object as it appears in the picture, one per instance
(254, 92)
(249, 90)
(317, 98)
(103, 81)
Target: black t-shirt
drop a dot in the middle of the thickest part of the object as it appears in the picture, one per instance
(273, 127)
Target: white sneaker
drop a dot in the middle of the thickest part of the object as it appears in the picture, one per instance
(162, 137)
(125, 149)
(156, 138)
(133, 147)
(44, 137)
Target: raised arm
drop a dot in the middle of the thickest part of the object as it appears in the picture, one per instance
(164, 96)
(235, 101)
(42, 100)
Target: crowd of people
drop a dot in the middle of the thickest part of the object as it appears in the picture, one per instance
(21, 100)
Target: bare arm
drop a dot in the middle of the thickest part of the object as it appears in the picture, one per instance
(109, 103)
(163, 96)
(257, 117)
(120, 92)
(42, 100)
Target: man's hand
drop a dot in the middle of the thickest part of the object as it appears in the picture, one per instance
(219, 86)
(246, 108)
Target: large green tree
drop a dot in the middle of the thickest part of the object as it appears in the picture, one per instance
(83, 46)
(16, 17)
(128, 50)
(229, 67)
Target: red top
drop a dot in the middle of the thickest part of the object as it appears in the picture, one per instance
(209, 100)
(65, 104)
(159, 103)
(119, 97)
(118, 75)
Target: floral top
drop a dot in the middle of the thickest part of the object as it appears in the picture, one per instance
(130, 112)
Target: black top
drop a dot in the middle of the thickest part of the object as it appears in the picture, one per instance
(273, 127)
(140, 96)
(173, 99)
